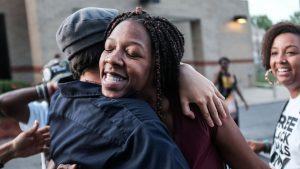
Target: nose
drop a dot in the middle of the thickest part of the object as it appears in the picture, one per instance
(281, 58)
(115, 58)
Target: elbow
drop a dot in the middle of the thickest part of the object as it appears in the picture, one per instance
(6, 106)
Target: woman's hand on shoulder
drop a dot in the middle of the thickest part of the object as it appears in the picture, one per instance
(195, 88)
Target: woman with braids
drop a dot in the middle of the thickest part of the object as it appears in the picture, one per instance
(141, 57)
(76, 109)
(94, 131)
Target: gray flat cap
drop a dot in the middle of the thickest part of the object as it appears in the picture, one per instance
(83, 28)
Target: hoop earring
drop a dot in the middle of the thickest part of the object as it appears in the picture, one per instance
(267, 77)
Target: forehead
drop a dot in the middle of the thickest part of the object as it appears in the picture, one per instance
(129, 29)
(287, 39)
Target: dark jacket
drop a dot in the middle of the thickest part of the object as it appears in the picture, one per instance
(97, 132)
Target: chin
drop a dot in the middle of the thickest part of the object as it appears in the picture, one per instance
(111, 94)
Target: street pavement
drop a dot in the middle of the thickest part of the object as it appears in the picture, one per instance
(256, 123)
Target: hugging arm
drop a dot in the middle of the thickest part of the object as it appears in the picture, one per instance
(15, 103)
(234, 149)
(195, 88)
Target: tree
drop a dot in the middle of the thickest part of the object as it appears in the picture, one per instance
(295, 18)
(261, 21)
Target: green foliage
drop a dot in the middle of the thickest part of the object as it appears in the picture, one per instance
(261, 21)
(295, 18)
(8, 85)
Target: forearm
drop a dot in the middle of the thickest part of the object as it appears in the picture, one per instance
(234, 149)
(6, 152)
(15, 103)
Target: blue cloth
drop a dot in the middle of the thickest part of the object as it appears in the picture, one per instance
(98, 132)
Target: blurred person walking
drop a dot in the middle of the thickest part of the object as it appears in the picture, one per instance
(227, 84)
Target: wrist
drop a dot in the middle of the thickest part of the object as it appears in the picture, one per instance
(266, 146)
(42, 91)
(7, 153)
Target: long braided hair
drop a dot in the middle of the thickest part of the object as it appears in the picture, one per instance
(167, 49)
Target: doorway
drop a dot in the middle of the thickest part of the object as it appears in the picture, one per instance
(4, 56)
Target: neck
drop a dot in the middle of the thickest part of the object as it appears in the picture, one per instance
(294, 91)
(91, 76)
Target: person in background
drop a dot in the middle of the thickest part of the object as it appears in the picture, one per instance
(142, 56)
(29, 104)
(27, 143)
(227, 84)
(281, 58)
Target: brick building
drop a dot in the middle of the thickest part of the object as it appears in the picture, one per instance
(27, 32)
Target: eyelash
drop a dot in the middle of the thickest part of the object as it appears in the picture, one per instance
(286, 53)
(132, 54)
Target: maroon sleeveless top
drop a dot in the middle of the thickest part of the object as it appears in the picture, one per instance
(196, 141)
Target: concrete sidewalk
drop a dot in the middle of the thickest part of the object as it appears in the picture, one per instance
(262, 95)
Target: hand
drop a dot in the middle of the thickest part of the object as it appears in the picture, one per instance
(195, 88)
(51, 165)
(52, 87)
(67, 166)
(31, 142)
(256, 146)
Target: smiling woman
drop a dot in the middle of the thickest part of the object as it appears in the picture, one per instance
(281, 55)
(130, 52)
(142, 57)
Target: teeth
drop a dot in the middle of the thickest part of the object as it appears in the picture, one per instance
(113, 78)
(282, 70)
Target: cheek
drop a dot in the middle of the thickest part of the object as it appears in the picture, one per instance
(272, 62)
(144, 74)
(101, 63)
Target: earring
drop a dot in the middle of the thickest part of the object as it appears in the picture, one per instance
(267, 77)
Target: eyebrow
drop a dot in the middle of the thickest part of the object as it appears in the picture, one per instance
(289, 46)
(132, 42)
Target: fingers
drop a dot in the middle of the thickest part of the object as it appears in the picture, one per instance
(219, 95)
(43, 139)
(33, 129)
(51, 164)
(213, 112)
(67, 166)
(220, 107)
(186, 109)
(45, 129)
(206, 115)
